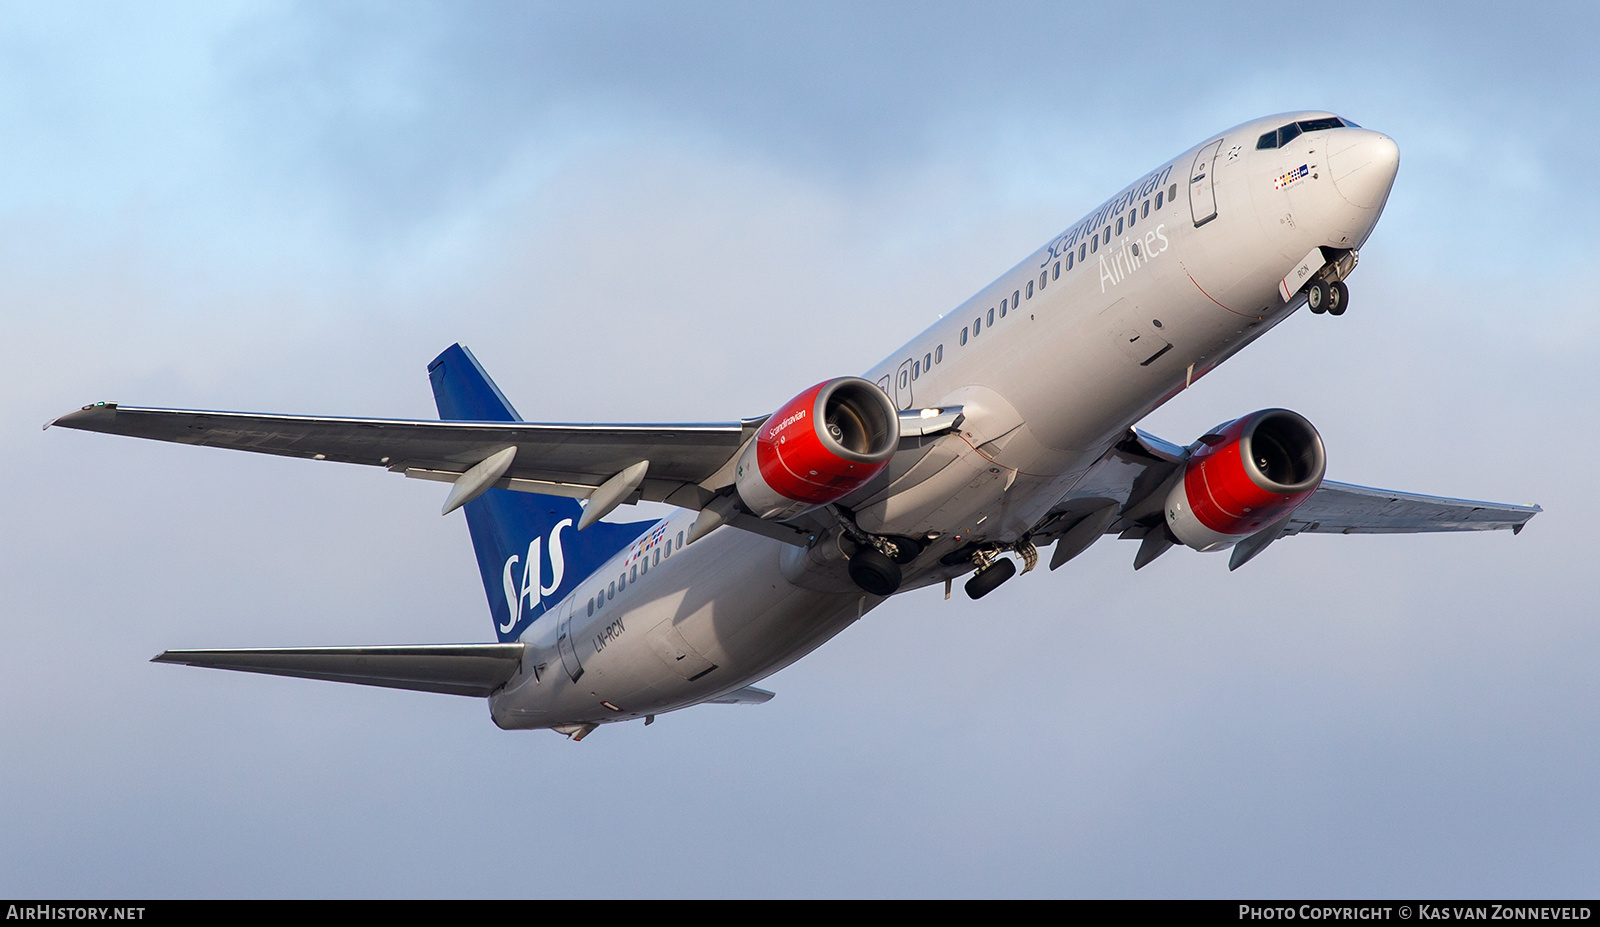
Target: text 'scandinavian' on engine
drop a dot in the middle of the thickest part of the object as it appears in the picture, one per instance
(1005, 427)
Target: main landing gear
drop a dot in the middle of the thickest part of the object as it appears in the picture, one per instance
(990, 577)
(994, 569)
(874, 571)
(875, 564)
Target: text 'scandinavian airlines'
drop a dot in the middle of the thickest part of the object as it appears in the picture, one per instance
(1005, 427)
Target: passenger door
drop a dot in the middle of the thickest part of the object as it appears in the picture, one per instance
(1202, 188)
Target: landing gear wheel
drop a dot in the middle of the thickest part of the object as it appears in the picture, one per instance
(1338, 298)
(1317, 297)
(990, 577)
(906, 549)
(874, 572)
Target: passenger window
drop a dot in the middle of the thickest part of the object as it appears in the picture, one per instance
(1159, 194)
(905, 377)
(927, 362)
(658, 556)
(1069, 261)
(1133, 217)
(938, 354)
(622, 582)
(1044, 275)
(963, 336)
(1081, 253)
(1030, 289)
(611, 591)
(644, 564)
(977, 326)
(1119, 228)
(680, 539)
(916, 369)
(1056, 274)
(1146, 211)
(1094, 244)
(591, 605)
(1002, 311)
(1172, 192)
(991, 316)
(1016, 297)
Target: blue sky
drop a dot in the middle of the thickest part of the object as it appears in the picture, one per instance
(671, 212)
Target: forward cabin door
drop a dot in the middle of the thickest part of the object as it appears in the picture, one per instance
(1202, 189)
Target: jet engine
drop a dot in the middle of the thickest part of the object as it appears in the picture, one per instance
(818, 448)
(1244, 476)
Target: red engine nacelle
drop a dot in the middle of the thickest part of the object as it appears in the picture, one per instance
(1246, 475)
(818, 448)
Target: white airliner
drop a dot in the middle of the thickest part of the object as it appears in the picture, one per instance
(1004, 427)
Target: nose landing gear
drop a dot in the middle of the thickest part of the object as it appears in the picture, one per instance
(1332, 298)
(1327, 293)
(1338, 298)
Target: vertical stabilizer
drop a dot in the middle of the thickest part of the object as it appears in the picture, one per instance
(530, 553)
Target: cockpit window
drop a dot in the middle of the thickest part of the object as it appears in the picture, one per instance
(1286, 134)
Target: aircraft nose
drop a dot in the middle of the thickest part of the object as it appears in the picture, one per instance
(1363, 164)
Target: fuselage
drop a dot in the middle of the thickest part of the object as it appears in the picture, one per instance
(1051, 364)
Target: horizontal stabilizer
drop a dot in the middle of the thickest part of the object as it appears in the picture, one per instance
(452, 669)
(749, 695)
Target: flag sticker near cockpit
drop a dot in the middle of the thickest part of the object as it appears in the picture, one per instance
(1291, 177)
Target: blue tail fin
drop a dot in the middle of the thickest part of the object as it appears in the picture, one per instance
(529, 551)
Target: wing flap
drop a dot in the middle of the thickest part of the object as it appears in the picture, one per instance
(452, 669)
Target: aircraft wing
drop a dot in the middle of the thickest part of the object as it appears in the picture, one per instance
(687, 465)
(452, 669)
(1340, 508)
(563, 460)
(1124, 493)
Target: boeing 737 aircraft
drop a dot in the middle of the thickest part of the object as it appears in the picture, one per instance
(1005, 427)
